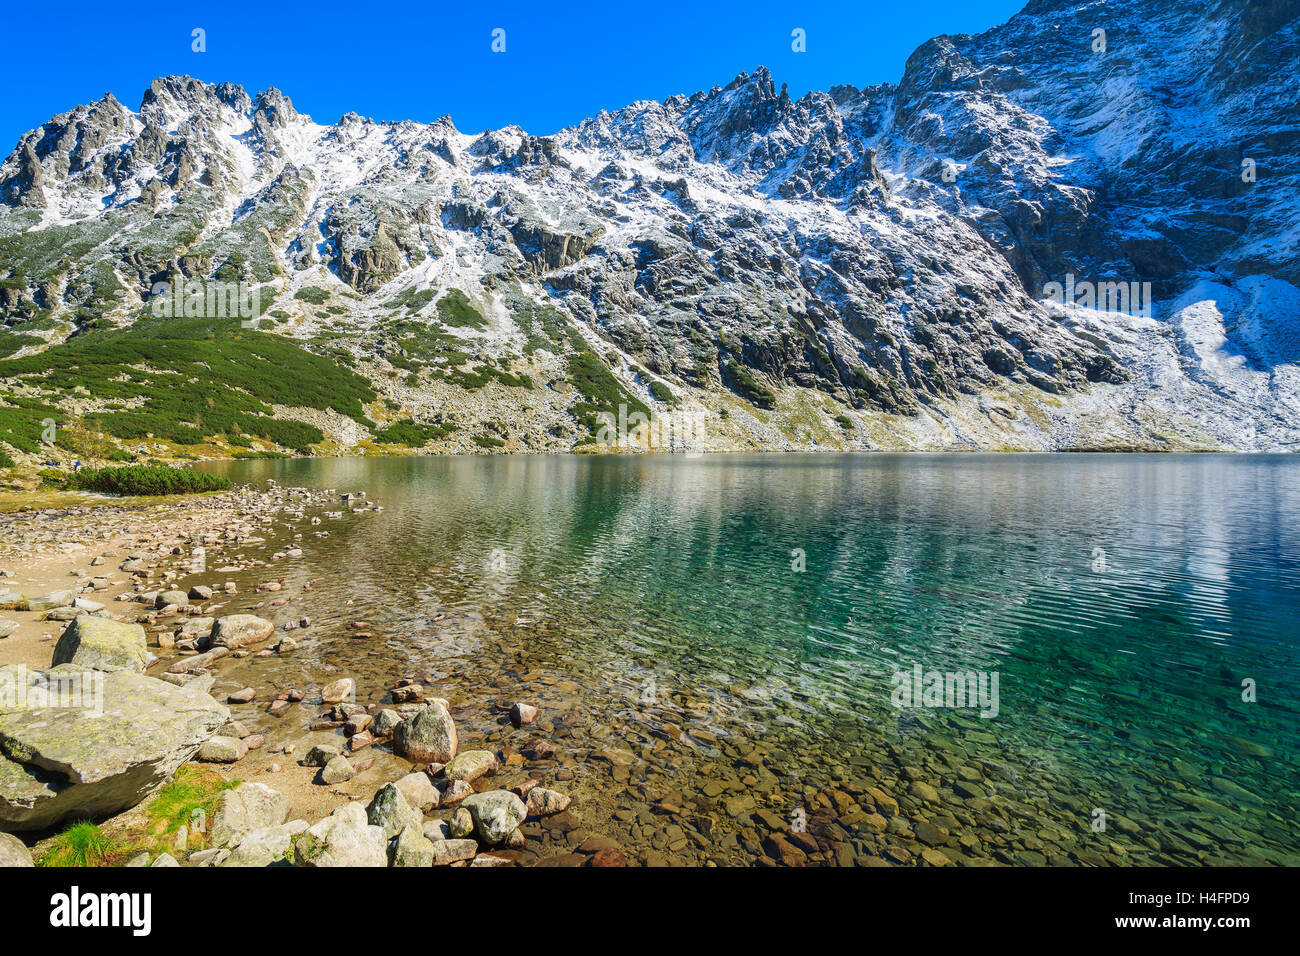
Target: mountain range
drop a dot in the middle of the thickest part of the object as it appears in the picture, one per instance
(1079, 229)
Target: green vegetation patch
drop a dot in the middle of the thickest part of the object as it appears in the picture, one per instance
(313, 294)
(455, 310)
(413, 434)
(188, 378)
(600, 391)
(146, 480)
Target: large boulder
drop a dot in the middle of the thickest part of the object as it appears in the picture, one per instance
(265, 846)
(248, 807)
(115, 737)
(47, 602)
(102, 644)
(419, 791)
(342, 839)
(428, 736)
(390, 811)
(236, 630)
(413, 848)
(496, 814)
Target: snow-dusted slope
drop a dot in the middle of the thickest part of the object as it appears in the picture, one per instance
(877, 256)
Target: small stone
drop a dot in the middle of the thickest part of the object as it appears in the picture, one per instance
(453, 851)
(242, 696)
(222, 750)
(337, 770)
(545, 803)
(521, 714)
(319, 755)
(339, 690)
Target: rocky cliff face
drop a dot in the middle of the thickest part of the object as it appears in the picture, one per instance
(856, 268)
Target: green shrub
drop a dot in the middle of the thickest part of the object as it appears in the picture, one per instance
(412, 434)
(750, 388)
(454, 309)
(146, 480)
(193, 378)
(662, 393)
(600, 391)
(312, 294)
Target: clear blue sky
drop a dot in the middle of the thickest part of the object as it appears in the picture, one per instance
(563, 62)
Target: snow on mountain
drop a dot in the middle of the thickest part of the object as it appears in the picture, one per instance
(878, 256)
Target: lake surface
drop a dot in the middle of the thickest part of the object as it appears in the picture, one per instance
(714, 642)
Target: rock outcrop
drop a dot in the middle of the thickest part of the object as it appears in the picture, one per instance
(113, 738)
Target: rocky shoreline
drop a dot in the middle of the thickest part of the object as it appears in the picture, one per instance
(141, 681)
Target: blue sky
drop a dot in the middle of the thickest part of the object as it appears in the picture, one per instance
(562, 62)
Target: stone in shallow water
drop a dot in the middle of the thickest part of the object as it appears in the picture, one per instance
(496, 814)
(320, 755)
(427, 737)
(471, 765)
(385, 722)
(78, 762)
(166, 598)
(102, 644)
(340, 690)
(238, 630)
(337, 770)
(543, 802)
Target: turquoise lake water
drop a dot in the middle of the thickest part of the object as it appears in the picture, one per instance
(721, 635)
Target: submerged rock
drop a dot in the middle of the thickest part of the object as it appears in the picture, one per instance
(545, 803)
